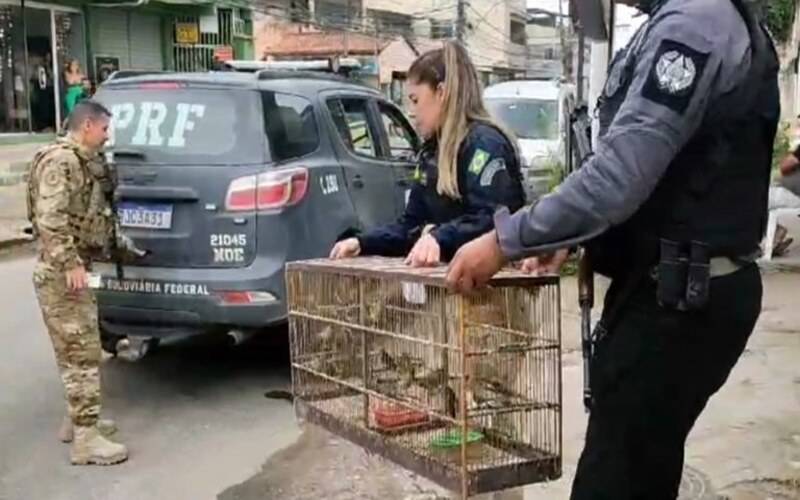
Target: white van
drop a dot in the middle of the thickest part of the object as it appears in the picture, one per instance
(534, 111)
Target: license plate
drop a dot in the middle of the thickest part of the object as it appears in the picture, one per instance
(147, 216)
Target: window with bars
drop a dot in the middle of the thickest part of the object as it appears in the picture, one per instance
(196, 53)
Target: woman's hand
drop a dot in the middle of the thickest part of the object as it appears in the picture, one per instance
(545, 264)
(346, 249)
(426, 252)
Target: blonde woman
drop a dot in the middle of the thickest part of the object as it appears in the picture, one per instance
(468, 167)
(76, 85)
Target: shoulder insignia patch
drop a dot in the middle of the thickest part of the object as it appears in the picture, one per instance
(479, 160)
(677, 69)
(51, 177)
(494, 166)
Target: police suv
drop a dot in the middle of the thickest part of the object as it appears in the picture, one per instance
(226, 176)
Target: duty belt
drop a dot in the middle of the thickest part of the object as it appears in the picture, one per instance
(719, 266)
(723, 266)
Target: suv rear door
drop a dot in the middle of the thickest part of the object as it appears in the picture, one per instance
(400, 147)
(370, 179)
(177, 149)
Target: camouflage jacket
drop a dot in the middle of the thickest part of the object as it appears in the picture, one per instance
(69, 204)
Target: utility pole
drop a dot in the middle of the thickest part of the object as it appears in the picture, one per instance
(347, 31)
(565, 40)
(461, 20)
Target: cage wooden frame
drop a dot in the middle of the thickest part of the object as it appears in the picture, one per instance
(347, 400)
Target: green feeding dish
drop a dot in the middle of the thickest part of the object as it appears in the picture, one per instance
(453, 440)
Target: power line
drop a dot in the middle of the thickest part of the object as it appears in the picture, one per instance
(488, 11)
(495, 28)
(322, 22)
(501, 44)
(334, 23)
(355, 26)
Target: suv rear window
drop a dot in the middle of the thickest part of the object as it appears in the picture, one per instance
(181, 125)
(290, 125)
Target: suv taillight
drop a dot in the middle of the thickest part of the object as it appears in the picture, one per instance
(267, 191)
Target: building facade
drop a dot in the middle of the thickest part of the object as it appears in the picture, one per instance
(495, 31)
(38, 41)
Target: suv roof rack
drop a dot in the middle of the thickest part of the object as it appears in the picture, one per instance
(129, 73)
(267, 74)
(332, 65)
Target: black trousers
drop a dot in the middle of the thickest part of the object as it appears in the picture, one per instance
(651, 378)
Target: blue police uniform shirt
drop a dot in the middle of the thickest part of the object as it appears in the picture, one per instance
(489, 178)
(683, 63)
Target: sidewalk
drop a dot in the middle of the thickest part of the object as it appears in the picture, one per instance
(14, 159)
(746, 445)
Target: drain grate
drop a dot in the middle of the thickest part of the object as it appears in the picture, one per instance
(695, 486)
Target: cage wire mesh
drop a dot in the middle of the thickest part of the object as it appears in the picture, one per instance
(464, 390)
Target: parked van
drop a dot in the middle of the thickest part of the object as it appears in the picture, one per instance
(534, 110)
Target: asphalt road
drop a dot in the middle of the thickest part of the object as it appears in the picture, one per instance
(199, 427)
(195, 419)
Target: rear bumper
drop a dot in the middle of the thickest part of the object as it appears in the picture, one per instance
(163, 301)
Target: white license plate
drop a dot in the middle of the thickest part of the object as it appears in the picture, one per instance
(147, 216)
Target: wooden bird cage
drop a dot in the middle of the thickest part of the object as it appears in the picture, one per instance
(464, 390)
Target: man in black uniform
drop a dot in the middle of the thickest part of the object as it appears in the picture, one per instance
(672, 206)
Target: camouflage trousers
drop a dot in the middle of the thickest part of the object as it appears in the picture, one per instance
(71, 320)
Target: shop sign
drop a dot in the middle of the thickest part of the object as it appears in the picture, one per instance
(223, 53)
(187, 33)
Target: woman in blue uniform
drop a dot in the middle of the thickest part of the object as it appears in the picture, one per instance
(468, 167)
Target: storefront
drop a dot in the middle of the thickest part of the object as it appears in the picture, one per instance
(36, 42)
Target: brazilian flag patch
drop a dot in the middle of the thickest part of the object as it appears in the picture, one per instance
(420, 176)
(479, 160)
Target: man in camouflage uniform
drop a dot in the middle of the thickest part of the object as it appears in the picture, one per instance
(66, 192)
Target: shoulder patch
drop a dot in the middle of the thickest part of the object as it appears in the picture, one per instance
(494, 166)
(479, 160)
(677, 69)
(53, 178)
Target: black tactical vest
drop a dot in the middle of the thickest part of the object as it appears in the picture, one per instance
(716, 190)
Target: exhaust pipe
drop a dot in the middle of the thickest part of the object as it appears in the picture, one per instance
(134, 348)
(237, 337)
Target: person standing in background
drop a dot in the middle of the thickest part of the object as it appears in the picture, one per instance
(77, 86)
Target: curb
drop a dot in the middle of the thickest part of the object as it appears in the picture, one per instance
(20, 167)
(779, 267)
(12, 179)
(24, 138)
(15, 242)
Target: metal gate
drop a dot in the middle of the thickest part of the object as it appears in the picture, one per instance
(200, 56)
(134, 38)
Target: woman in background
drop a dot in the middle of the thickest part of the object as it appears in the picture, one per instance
(76, 84)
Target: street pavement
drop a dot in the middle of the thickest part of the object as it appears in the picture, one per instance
(199, 426)
(196, 420)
